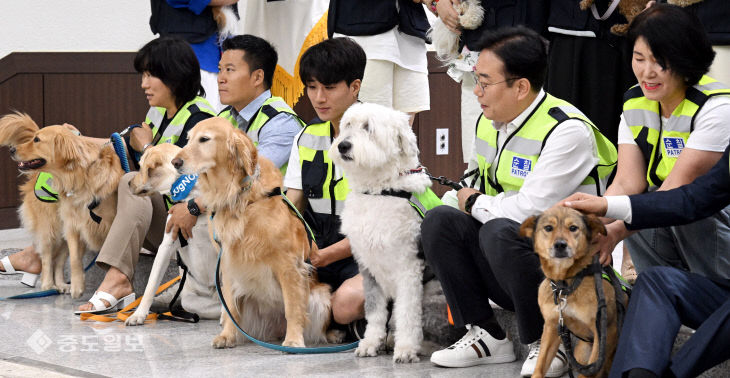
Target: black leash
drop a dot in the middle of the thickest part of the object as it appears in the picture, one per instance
(443, 180)
(178, 312)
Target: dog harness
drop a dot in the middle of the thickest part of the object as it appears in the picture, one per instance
(521, 150)
(661, 143)
(562, 289)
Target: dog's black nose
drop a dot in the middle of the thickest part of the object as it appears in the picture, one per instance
(12, 150)
(560, 244)
(344, 146)
(177, 163)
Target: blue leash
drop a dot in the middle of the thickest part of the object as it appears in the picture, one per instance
(318, 350)
(119, 149)
(35, 294)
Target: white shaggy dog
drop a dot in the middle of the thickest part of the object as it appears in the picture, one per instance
(378, 152)
(446, 42)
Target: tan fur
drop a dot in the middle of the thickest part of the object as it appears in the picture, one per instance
(82, 171)
(628, 8)
(264, 243)
(41, 219)
(155, 171)
(580, 311)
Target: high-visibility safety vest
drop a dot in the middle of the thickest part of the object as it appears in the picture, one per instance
(661, 143)
(521, 150)
(326, 195)
(175, 128)
(43, 190)
(270, 109)
(424, 202)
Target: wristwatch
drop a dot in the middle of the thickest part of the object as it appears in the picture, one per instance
(470, 202)
(193, 207)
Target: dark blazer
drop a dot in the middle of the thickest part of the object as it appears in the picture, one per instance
(372, 17)
(699, 199)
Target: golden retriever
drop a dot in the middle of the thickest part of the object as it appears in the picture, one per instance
(563, 239)
(40, 218)
(84, 174)
(265, 278)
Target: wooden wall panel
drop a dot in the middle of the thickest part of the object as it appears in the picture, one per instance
(97, 104)
(21, 92)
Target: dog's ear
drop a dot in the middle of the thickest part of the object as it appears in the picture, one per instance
(594, 225)
(527, 229)
(243, 152)
(66, 150)
(16, 129)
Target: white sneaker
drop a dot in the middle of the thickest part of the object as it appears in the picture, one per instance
(475, 348)
(558, 366)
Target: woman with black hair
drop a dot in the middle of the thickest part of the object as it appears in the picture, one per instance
(673, 129)
(171, 83)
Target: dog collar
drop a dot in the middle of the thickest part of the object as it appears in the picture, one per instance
(247, 181)
(412, 171)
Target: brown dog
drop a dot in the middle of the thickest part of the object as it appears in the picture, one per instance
(562, 238)
(84, 173)
(628, 8)
(41, 219)
(265, 279)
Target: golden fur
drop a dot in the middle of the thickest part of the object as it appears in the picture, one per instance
(82, 172)
(557, 225)
(264, 244)
(628, 8)
(40, 218)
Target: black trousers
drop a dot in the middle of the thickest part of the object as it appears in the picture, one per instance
(476, 262)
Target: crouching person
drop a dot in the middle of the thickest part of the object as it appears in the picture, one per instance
(531, 149)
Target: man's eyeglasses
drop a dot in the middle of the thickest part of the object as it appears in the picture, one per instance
(483, 86)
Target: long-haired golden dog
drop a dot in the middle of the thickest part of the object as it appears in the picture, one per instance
(86, 176)
(41, 219)
(563, 240)
(265, 278)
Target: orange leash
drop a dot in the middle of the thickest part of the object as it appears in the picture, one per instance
(126, 312)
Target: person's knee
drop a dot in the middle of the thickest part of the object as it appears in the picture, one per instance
(348, 303)
(657, 276)
(438, 221)
(496, 233)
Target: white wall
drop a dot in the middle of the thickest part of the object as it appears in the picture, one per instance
(73, 25)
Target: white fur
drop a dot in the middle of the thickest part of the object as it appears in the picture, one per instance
(446, 42)
(231, 25)
(383, 230)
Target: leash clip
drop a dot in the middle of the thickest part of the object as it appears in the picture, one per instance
(561, 306)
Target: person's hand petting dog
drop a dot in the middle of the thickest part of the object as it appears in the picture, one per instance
(590, 204)
(586, 203)
(140, 137)
(181, 220)
(447, 14)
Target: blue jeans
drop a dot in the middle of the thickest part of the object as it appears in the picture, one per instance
(702, 247)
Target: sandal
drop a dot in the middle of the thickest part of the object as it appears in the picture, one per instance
(29, 279)
(114, 303)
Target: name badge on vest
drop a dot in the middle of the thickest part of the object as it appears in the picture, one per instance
(673, 146)
(520, 167)
(182, 187)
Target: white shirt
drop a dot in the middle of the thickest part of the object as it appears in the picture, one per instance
(711, 127)
(293, 177)
(567, 159)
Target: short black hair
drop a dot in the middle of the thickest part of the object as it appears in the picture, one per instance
(173, 61)
(332, 61)
(676, 39)
(522, 50)
(257, 52)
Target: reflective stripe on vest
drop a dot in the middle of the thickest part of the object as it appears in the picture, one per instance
(425, 201)
(522, 149)
(643, 118)
(315, 141)
(175, 128)
(268, 110)
(43, 188)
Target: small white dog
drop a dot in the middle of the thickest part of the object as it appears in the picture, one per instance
(446, 42)
(158, 175)
(378, 152)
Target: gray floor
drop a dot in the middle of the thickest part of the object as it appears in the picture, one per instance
(43, 338)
